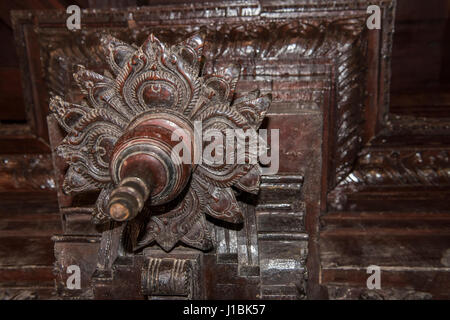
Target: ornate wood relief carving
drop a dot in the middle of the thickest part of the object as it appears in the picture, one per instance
(317, 60)
(170, 277)
(379, 160)
(401, 167)
(129, 121)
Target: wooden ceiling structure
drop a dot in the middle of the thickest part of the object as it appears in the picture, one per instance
(420, 64)
(29, 215)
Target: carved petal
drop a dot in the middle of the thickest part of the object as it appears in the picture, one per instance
(221, 203)
(247, 97)
(156, 77)
(251, 181)
(231, 174)
(152, 47)
(117, 52)
(88, 154)
(101, 94)
(224, 206)
(199, 236)
(100, 211)
(67, 113)
(190, 52)
(92, 84)
(223, 118)
(169, 228)
(221, 86)
(254, 109)
(76, 180)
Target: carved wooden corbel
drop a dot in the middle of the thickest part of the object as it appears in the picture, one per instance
(119, 139)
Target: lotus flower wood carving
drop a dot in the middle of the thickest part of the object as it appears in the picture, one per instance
(128, 116)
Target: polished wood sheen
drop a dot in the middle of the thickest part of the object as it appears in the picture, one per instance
(363, 176)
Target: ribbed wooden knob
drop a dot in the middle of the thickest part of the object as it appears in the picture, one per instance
(143, 166)
(128, 198)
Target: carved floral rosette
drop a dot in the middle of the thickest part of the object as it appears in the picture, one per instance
(155, 78)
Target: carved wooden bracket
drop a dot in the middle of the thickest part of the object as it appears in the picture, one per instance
(120, 141)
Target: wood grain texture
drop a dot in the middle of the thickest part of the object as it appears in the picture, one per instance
(312, 65)
(378, 181)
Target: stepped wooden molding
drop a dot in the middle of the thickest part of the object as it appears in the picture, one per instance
(328, 76)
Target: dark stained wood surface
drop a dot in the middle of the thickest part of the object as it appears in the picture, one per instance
(389, 213)
(420, 59)
(29, 217)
